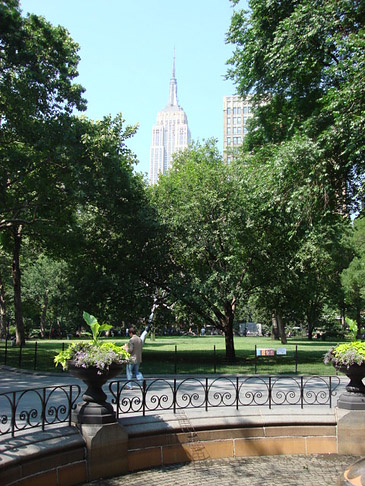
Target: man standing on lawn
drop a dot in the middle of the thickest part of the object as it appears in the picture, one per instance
(134, 348)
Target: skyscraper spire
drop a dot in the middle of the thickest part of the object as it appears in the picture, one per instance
(170, 133)
(173, 87)
(173, 66)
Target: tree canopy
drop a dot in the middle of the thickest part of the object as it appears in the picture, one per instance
(303, 63)
(67, 182)
(216, 236)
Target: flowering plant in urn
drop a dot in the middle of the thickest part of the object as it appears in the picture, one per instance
(349, 358)
(347, 354)
(94, 354)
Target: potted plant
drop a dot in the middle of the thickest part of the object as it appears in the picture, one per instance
(349, 358)
(94, 363)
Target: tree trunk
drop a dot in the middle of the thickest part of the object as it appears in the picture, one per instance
(311, 315)
(230, 352)
(226, 322)
(44, 313)
(281, 327)
(3, 317)
(275, 329)
(18, 311)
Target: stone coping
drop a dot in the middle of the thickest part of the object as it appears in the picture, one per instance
(30, 445)
(38, 444)
(222, 419)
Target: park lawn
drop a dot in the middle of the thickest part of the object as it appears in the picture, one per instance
(193, 355)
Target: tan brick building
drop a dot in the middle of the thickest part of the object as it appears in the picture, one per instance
(236, 113)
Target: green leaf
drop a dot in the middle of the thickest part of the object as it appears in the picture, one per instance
(105, 327)
(89, 319)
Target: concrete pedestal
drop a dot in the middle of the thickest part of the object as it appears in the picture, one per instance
(351, 432)
(107, 449)
(352, 401)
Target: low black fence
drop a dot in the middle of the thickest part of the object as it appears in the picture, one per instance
(43, 408)
(36, 356)
(37, 408)
(192, 393)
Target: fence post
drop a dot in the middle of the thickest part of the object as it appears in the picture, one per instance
(330, 395)
(118, 399)
(206, 394)
(69, 405)
(43, 408)
(175, 359)
(255, 358)
(13, 413)
(35, 355)
(301, 392)
(237, 393)
(214, 360)
(144, 391)
(174, 400)
(270, 392)
(296, 358)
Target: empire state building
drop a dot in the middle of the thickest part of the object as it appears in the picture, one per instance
(170, 134)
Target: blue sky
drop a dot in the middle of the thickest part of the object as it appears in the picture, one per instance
(126, 50)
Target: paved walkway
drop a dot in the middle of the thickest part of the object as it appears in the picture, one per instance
(318, 470)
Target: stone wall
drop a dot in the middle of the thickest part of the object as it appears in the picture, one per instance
(67, 457)
(52, 458)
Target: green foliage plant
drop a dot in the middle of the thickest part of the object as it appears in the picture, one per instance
(352, 328)
(347, 354)
(95, 353)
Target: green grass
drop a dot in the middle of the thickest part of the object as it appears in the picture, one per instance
(195, 355)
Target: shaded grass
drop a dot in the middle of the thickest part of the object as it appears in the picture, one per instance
(193, 355)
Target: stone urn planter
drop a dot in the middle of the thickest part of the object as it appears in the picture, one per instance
(354, 398)
(94, 409)
(94, 363)
(349, 358)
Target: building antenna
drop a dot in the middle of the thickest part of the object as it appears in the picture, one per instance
(173, 66)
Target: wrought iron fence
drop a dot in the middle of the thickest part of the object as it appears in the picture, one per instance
(37, 408)
(45, 407)
(245, 391)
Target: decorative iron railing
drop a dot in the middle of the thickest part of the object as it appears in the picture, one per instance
(244, 391)
(46, 407)
(37, 408)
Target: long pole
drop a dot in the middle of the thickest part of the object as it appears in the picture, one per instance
(150, 319)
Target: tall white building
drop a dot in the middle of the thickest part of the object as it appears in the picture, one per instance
(170, 134)
(236, 114)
